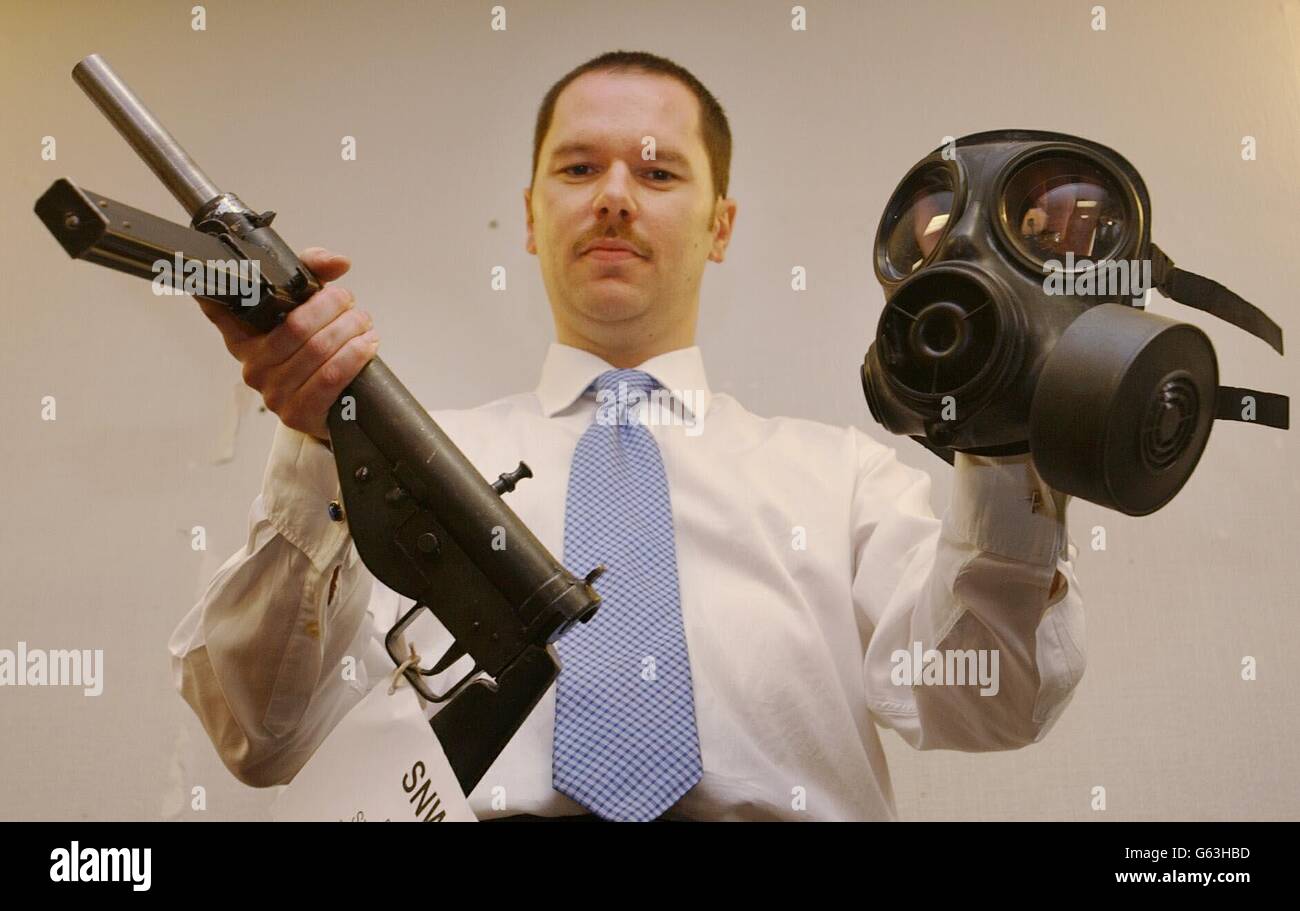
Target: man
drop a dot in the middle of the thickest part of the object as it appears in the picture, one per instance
(776, 586)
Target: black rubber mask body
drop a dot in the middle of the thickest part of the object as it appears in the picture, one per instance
(1015, 265)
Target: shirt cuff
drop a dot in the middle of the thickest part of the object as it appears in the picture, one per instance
(1002, 506)
(300, 481)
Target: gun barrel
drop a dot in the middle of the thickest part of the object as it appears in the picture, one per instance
(150, 139)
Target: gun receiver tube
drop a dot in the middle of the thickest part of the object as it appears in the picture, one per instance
(150, 139)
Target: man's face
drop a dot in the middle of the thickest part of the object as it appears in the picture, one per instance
(595, 183)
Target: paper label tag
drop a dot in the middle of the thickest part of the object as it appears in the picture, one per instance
(381, 763)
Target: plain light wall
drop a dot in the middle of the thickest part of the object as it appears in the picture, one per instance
(99, 503)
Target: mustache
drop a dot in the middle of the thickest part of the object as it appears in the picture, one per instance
(611, 234)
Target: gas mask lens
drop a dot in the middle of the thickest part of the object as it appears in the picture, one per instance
(918, 216)
(1059, 205)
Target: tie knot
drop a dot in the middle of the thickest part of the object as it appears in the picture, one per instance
(619, 391)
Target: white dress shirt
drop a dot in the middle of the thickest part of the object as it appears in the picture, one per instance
(808, 559)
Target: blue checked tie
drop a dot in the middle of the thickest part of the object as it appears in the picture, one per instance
(626, 745)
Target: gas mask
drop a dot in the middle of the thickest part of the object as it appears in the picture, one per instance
(1014, 265)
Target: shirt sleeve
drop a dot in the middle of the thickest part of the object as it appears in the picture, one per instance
(260, 657)
(975, 622)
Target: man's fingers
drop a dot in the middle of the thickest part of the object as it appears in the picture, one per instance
(325, 264)
(317, 350)
(303, 322)
(325, 385)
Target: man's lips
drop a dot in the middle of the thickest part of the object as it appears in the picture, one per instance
(611, 250)
(606, 254)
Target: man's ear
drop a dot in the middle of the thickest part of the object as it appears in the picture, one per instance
(724, 221)
(530, 243)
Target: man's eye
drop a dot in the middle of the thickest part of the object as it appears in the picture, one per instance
(667, 175)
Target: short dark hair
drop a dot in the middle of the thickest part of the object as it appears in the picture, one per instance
(714, 129)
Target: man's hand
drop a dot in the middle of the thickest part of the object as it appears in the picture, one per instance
(302, 365)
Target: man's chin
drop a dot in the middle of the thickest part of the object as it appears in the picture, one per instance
(613, 308)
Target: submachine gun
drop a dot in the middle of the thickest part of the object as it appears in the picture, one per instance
(423, 519)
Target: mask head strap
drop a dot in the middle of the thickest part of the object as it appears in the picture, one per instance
(1205, 294)
(1267, 408)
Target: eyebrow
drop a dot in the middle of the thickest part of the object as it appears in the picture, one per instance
(662, 156)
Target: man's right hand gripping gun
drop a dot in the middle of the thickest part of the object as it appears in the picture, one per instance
(423, 519)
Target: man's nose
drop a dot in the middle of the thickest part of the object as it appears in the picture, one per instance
(614, 194)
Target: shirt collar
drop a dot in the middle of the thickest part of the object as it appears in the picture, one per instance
(568, 371)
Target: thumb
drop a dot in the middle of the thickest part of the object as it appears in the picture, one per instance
(233, 329)
(326, 265)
